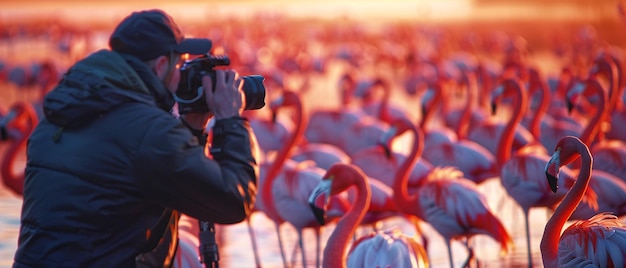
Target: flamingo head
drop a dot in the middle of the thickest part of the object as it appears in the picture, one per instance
(574, 96)
(319, 199)
(338, 178)
(565, 153)
(496, 95)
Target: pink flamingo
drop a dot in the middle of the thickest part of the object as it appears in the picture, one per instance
(323, 155)
(379, 249)
(451, 204)
(445, 149)
(379, 163)
(469, 115)
(285, 187)
(610, 154)
(597, 242)
(324, 124)
(382, 109)
(521, 173)
(17, 126)
(490, 130)
(546, 129)
(271, 133)
(611, 192)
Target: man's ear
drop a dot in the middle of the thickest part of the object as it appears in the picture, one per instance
(161, 66)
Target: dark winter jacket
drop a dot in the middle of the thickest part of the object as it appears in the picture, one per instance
(109, 165)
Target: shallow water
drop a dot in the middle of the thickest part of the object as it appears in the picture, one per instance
(236, 249)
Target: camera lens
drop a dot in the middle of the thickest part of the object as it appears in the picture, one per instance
(254, 91)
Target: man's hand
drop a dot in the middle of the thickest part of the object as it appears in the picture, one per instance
(227, 99)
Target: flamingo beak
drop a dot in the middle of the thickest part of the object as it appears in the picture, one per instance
(570, 106)
(319, 199)
(552, 171)
(385, 140)
(494, 107)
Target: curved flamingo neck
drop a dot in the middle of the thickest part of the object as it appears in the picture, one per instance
(552, 232)
(383, 113)
(565, 78)
(462, 127)
(610, 69)
(519, 104)
(429, 110)
(401, 196)
(537, 84)
(593, 127)
(26, 121)
(279, 161)
(335, 253)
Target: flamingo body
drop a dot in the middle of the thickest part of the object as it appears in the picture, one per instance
(597, 242)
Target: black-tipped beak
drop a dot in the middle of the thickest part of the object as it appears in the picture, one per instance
(319, 199)
(274, 116)
(494, 107)
(570, 106)
(320, 214)
(552, 180)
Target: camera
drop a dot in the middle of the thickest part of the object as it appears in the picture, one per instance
(189, 94)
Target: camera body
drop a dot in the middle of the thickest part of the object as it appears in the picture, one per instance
(190, 93)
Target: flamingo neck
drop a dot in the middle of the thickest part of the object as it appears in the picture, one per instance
(383, 112)
(13, 181)
(595, 124)
(506, 138)
(429, 110)
(335, 254)
(401, 197)
(544, 103)
(463, 125)
(551, 235)
(279, 161)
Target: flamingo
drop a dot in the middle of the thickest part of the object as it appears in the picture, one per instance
(451, 204)
(286, 185)
(597, 242)
(379, 249)
(463, 119)
(610, 154)
(545, 128)
(382, 109)
(490, 130)
(324, 125)
(17, 126)
(446, 149)
(611, 196)
(379, 162)
(521, 173)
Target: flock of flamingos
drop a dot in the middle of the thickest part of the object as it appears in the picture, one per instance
(486, 112)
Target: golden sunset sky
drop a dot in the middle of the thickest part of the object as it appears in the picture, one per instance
(429, 10)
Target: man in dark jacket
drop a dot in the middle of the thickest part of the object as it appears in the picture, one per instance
(109, 167)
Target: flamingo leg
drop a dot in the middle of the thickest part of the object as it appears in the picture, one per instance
(470, 255)
(255, 249)
(527, 226)
(450, 253)
(318, 248)
(280, 245)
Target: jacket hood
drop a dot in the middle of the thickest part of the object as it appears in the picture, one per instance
(99, 83)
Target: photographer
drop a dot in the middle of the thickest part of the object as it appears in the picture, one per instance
(110, 168)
